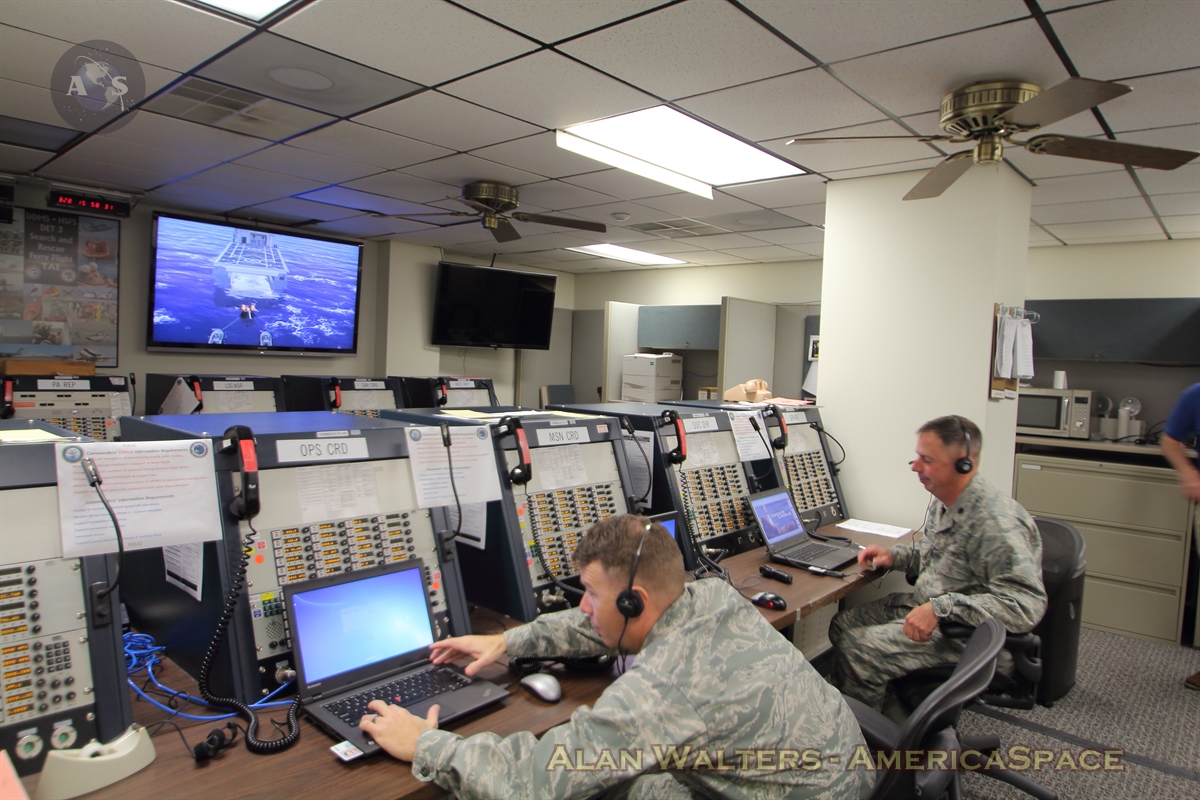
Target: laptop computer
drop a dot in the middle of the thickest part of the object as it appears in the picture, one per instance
(787, 540)
(668, 520)
(364, 635)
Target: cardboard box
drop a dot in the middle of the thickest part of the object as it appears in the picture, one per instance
(708, 393)
(653, 366)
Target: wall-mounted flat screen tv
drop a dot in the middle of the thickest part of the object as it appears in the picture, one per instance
(487, 307)
(228, 288)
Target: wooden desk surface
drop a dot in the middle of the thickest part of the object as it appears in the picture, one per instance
(309, 768)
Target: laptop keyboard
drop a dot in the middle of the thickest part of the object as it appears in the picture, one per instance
(808, 551)
(406, 691)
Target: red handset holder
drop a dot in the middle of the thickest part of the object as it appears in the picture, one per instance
(521, 473)
(337, 392)
(679, 454)
(195, 382)
(241, 439)
(445, 398)
(8, 409)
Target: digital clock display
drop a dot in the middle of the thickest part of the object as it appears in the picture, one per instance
(90, 203)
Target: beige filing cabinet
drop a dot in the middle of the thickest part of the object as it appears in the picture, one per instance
(1137, 527)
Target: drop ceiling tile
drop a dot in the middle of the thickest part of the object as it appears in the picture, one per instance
(1112, 230)
(724, 241)
(364, 201)
(262, 214)
(1130, 37)
(1097, 186)
(782, 191)
(1183, 179)
(558, 195)
(1050, 6)
(685, 204)
(185, 202)
(764, 254)
(802, 236)
(235, 110)
(306, 209)
(785, 106)
(617, 183)
(36, 135)
(686, 49)
(1185, 227)
(550, 90)
(626, 237)
(806, 256)
(886, 169)
(1092, 211)
(665, 247)
(21, 159)
(367, 145)
(286, 70)
(367, 226)
(1038, 235)
(816, 249)
(103, 173)
(553, 20)
(405, 187)
(238, 177)
(914, 79)
(710, 258)
(837, 31)
(305, 164)
(224, 197)
(169, 35)
(813, 213)
(832, 156)
(604, 213)
(427, 41)
(462, 169)
(446, 121)
(1172, 205)
(1047, 166)
(169, 133)
(30, 58)
(761, 219)
(448, 236)
(23, 101)
(540, 155)
(167, 164)
(1156, 101)
(1179, 137)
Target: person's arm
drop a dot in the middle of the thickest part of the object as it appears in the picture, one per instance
(1015, 594)
(563, 633)
(906, 558)
(1189, 476)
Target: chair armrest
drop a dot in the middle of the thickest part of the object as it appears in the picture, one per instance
(879, 731)
(955, 630)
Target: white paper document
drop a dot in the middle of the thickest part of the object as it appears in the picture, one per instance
(162, 493)
(184, 565)
(474, 524)
(230, 402)
(750, 444)
(475, 474)
(1006, 343)
(702, 451)
(1024, 357)
(877, 528)
(337, 490)
(559, 467)
(180, 400)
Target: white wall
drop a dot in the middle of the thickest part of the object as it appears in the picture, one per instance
(1133, 269)
(783, 282)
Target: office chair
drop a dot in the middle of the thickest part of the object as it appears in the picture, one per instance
(931, 726)
(558, 394)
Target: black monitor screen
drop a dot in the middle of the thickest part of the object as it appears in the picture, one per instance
(485, 307)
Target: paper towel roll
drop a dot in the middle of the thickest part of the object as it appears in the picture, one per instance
(1123, 417)
(1060, 379)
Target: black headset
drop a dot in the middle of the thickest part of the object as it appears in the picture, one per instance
(964, 465)
(215, 742)
(245, 504)
(629, 602)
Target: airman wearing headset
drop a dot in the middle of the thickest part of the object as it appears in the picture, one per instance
(712, 681)
(981, 557)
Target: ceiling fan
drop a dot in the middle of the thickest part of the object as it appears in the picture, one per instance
(990, 114)
(493, 204)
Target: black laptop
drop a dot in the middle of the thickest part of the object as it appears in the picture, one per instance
(365, 635)
(787, 540)
(667, 520)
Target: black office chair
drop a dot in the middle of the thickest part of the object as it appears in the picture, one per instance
(931, 727)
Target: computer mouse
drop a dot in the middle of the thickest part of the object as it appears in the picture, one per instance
(769, 600)
(543, 686)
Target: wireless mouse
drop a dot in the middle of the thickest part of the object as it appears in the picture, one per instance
(543, 686)
(769, 600)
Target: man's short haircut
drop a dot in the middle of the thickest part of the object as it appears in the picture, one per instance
(950, 430)
(614, 543)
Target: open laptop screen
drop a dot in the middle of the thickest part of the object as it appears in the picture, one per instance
(667, 520)
(776, 516)
(352, 625)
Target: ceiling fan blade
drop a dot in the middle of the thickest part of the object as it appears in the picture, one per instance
(1064, 100)
(504, 231)
(942, 176)
(1133, 155)
(562, 222)
(480, 207)
(827, 140)
(410, 216)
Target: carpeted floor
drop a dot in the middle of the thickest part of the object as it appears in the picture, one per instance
(1128, 695)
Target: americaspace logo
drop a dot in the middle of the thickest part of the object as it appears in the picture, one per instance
(95, 82)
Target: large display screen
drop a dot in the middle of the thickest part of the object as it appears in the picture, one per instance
(485, 307)
(230, 288)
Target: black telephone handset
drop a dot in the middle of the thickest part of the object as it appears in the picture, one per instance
(780, 442)
(679, 454)
(245, 505)
(8, 409)
(445, 396)
(521, 473)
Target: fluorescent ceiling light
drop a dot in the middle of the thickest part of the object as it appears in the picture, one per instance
(678, 144)
(630, 164)
(249, 9)
(625, 254)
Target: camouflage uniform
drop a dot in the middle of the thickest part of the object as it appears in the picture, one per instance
(712, 675)
(981, 558)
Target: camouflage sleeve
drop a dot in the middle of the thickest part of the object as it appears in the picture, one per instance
(563, 633)
(623, 736)
(1015, 594)
(906, 558)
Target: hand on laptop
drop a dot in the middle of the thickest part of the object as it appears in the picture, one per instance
(875, 557)
(396, 730)
(483, 649)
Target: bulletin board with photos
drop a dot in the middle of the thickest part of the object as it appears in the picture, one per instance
(58, 287)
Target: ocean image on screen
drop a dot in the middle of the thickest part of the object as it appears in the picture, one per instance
(217, 285)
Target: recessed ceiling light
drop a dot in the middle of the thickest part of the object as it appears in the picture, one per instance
(248, 9)
(630, 164)
(678, 145)
(297, 78)
(625, 254)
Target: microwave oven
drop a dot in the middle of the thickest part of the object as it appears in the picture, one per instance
(1066, 413)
